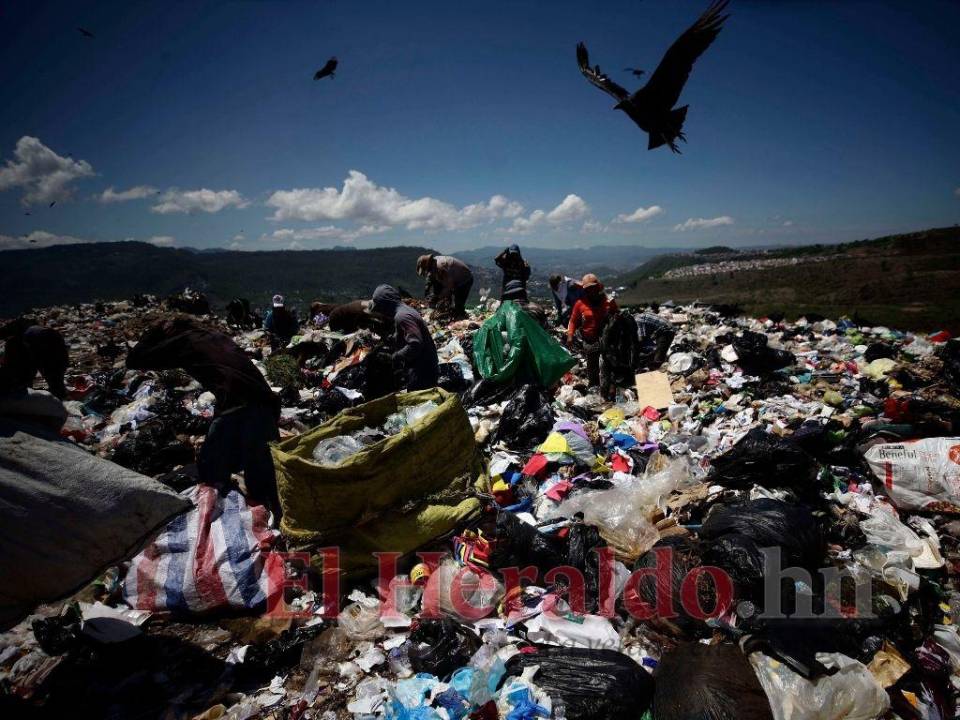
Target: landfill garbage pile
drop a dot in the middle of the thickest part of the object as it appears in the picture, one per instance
(763, 525)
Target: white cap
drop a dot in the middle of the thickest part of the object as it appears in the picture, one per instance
(278, 300)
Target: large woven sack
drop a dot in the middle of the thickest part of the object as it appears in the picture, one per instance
(394, 495)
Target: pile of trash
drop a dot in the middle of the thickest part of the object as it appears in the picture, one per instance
(763, 525)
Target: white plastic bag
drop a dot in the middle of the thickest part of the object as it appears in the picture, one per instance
(853, 693)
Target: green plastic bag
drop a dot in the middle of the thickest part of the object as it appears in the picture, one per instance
(532, 356)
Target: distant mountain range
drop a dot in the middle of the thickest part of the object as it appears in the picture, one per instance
(600, 259)
(910, 281)
(72, 274)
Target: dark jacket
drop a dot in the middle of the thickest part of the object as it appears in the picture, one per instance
(30, 349)
(281, 322)
(210, 357)
(514, 267)
(416, 352)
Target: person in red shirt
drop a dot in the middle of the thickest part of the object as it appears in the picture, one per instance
(587, 319)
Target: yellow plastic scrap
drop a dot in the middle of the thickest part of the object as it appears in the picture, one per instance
(879, 368)
(555, 443)
(614, 417)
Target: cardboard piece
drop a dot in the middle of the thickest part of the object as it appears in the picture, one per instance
(653, 390)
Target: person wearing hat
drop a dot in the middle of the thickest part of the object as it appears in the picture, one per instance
(448, 280)
(587, 319)
(279, 321)
(415, 356)
(515, 269)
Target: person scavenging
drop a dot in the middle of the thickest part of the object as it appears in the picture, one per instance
(247, 410)
(514, 267)
(587, 319)
(280, 321)
(449, 280)
(565, 292)
(415, 354)
(30, 349)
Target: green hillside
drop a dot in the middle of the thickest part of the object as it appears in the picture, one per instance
(909, 281)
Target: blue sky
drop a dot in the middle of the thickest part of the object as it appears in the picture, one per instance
(458, 125)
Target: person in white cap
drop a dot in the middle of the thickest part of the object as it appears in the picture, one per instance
(279, 321)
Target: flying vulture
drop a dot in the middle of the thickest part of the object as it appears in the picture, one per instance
(326, 70)
(651, 107)
(637, 72)
(86, 33)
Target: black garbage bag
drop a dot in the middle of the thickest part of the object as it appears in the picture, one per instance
(592, 684)
(878, 350)
(756, 357)
(488, 392)
(519, 544)
(764, 459)
(582, 543)
(439, 647)
(622, 350)
(796, 641)
(527, 419)
(451, 378)
(708, 682)
(770, 523)
(684, 556)
(373, 377)
(735, 536)
(59, 634)
(152, 449)
(951, 363)
(727, 310)
(265, 660)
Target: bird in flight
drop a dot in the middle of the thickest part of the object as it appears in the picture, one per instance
(52, 203)
(86, 33)
(637, 72)
(326, 70)
(651, 107)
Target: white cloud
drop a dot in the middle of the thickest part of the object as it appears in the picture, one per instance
(139, 192)
(592, 226)
(526, 224)
(570, 209)
(325, 232)
(44, 175)
(209, 201)
(701, 223)
(640, 214)
(364, 201)
(162, 241)
(37, 239)
(787, 223)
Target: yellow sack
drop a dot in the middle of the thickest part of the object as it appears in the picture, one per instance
(381, 493)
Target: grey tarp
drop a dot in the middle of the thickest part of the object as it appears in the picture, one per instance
(66, 515)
